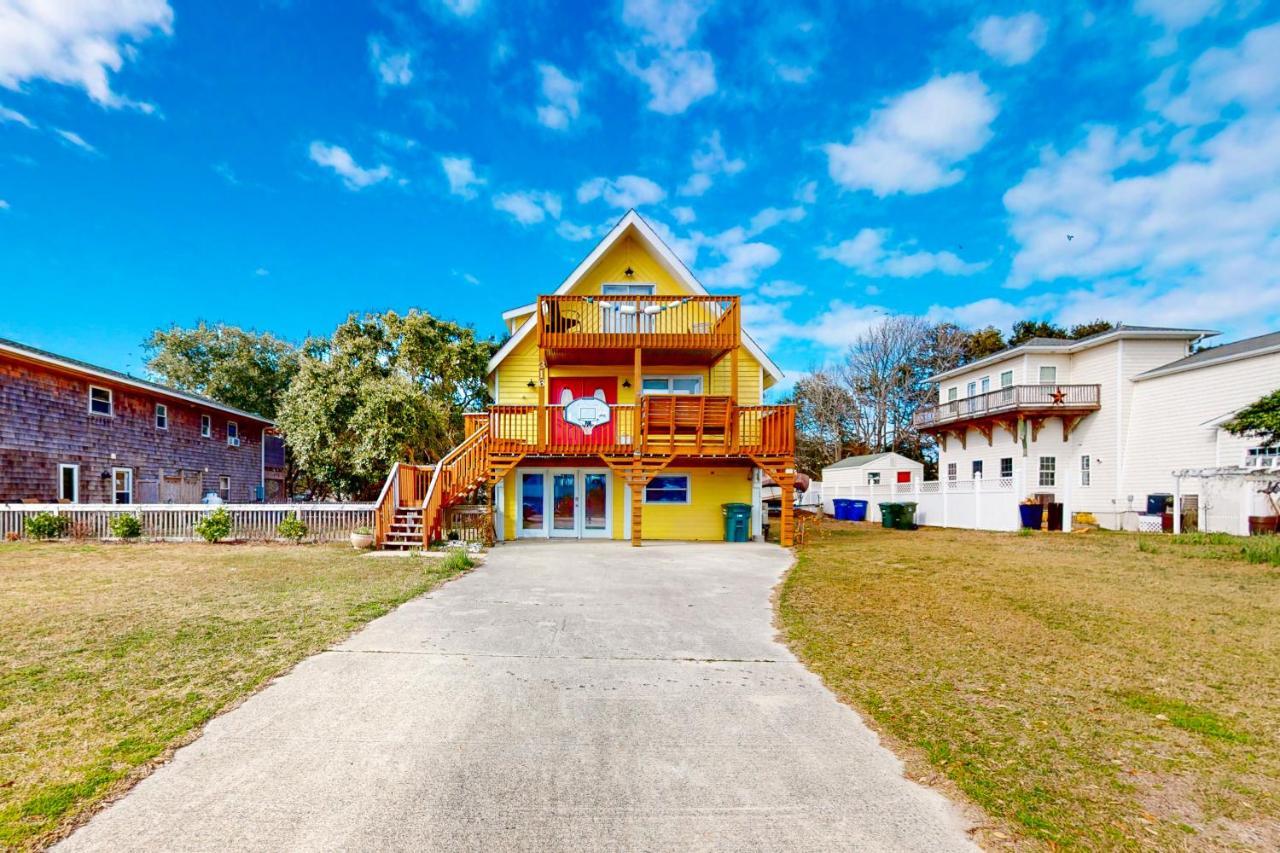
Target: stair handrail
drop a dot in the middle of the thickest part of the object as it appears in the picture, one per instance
(380, 528)
(428, 510)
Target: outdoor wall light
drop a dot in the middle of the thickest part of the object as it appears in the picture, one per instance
(106, 475)
(629, 272)
(532, 384)
(626, 383)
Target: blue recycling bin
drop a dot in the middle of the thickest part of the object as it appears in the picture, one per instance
(858, 511)
(844, 509)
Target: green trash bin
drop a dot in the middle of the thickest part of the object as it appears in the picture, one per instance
(888, 513)
(737, 522)
(906, 516)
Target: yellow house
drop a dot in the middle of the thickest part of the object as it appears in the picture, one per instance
(628, 405)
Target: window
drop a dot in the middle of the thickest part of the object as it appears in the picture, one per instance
(532, 498)
(162, 416)
(952, 393)
(951, 470)
(873, 478)
(977, 469)
(99, 400)
(672, 385)
(667, 489)
(1085, 473)
(224, 489)
(1263, 457)
(69, 483)
(1048, 470)
(1006, 467)
(904, 476)
(122, 485)
(1048, 374)
(1006, 379)
(233, 434)
(627, 289)
(206, 426)
(986, 384)
(971, 389)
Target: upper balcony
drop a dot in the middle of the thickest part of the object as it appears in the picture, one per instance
(1036, 402)
(597, 330)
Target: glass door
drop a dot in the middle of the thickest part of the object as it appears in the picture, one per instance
(564, 504)
(533, 498)
(595, 504)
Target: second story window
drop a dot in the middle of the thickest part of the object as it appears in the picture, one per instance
(672, 385)
(206, 426)
(162, 416)
(1006, 379)
(100, 402)
(1048, 374)
(627, 289)
(233, 434)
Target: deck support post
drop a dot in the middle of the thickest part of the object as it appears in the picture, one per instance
(786, 536)
(636, 481)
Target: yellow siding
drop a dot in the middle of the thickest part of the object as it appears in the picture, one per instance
(749, 391)
(514, 373)
(701, 519)
(612, 270)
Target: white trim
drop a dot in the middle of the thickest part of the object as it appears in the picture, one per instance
(206, 421)
(666, 259)
(111, 401)
(539, 532)
(22, 352)
(1174, 367)
(227, 478)
(652, 285)
(1040, 472)
(688, 489)
(115, 491)
(233, 441)
(512, 313)
(158, 415)
(75, 488)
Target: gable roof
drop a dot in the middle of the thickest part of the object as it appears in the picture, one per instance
(856, 461)
(84, 368)
(1070, 345)
(633, 223)
(1247, 348)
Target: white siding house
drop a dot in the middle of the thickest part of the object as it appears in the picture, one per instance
(1100, 423)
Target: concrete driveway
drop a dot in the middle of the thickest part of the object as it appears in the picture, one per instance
(564, 696)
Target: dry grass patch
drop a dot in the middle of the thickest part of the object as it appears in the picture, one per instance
(1085, 691)
(112, 654)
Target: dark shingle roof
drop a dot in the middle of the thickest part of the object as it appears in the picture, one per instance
(1226, 352)
(858, 461)
(106, 372)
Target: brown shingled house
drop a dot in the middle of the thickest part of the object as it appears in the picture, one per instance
(78, 433)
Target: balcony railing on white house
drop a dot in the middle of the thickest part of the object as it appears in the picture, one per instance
(1012, 399)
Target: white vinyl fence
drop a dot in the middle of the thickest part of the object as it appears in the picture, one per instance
(975, 504)
(176, 522)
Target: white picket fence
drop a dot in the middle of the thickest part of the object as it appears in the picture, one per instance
(176, 522)
(975, 504)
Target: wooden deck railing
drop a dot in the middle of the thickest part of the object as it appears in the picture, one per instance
(460, 471)
(710, 323)
(406, 485)
(1038, 399)
(695, 425)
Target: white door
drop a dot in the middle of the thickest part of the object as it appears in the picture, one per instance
(69, 483)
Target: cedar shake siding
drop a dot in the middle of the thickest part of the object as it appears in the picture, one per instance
(46, 421)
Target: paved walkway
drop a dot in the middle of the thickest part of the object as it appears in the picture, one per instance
(564, 696)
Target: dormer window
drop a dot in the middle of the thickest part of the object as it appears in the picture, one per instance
(100, 401)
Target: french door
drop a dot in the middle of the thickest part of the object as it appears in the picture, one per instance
(565, 503)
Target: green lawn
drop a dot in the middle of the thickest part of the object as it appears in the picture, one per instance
(1098, 691)
(111, 655)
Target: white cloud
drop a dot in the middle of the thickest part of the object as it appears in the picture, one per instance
(393, 67)
(834, 328)
(1176, 15)
(340, 161)
(1247, 75)
(578, 233)
(791, 44)
(8, 115)
(710, 160)
(915, 142)
(867, 254)
(528, 207)
(262, 272)
(462, 8)
(77, 43)
(1011, 41)
(665, 23)
(807, 193)
(981, 313)
(461, 174)
(560, 98)
(4, 205)
(683, 215)
(771, 216)
(625, 192)
(76, 139)
(743, 263)
(677, 79)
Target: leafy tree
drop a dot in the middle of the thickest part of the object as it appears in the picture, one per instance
(246, 369)
(1025, 330)
(383, 388)
(1095, 327)
(983, 342)
(1260, 418)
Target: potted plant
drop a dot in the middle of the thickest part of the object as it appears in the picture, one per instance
(1030, 511)
(362, 538)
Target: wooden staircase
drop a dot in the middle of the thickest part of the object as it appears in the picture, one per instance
(405, 530)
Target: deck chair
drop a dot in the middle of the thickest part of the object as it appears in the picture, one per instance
(559, 321)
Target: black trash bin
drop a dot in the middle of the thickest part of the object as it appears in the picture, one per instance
(1055, 516)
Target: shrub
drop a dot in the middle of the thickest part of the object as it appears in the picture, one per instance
(458, 561)
(125, 526)
(363, 531)
(293, 529)
(46, 525)
(215, 526)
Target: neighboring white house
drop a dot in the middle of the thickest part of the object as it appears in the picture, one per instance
(1100, 423)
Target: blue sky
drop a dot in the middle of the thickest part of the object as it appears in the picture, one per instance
(165, 162)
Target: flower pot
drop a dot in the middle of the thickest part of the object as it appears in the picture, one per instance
(1263, 525)
(361, 541)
